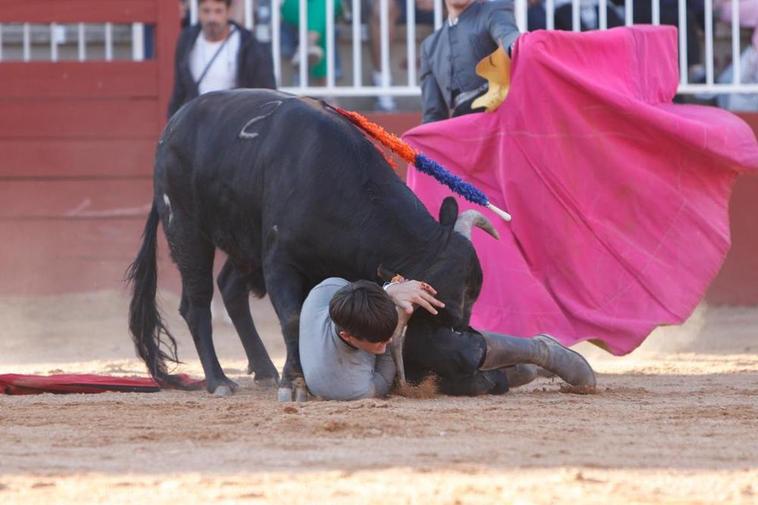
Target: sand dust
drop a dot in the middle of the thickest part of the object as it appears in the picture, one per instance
(675, 422)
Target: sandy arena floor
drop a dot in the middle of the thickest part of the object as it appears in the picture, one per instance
(675, 422)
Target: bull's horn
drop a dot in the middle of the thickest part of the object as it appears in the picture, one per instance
(470, 218)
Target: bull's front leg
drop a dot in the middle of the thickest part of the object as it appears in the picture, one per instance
(235, 290)
(286, 289)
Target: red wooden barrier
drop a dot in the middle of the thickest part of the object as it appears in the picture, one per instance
(84, 81)
(737, 282)
(76, 149)
(82, 11)
(85, 115)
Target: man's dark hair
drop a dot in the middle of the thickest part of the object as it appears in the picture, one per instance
(364, 310)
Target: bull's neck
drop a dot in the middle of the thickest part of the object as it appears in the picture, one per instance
(402, 239)
(411, 262)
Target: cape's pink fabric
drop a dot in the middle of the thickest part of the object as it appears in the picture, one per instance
(619, 197)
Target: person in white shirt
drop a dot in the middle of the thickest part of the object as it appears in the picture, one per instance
(218, 54)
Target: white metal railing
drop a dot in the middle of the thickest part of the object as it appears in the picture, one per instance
(581, 10)
(56, 42)
(18, 42)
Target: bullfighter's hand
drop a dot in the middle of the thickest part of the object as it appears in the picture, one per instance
(408, 295)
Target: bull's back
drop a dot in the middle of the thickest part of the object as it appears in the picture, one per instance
(240, 159)
(211, 134)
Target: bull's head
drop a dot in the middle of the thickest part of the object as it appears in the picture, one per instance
(456, 273)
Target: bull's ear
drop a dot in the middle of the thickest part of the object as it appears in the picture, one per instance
(448, 211)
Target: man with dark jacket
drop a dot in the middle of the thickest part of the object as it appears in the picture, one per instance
(473, 30)
(217, 54)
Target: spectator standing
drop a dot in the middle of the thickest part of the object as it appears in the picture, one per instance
(217, 54)
(397, 14)
(536, 17)
(669, 15)
(589, 15)
(473, 30)
(642, 13)
(748, 15)
(316, 43)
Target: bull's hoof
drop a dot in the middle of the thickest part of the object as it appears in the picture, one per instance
(284, 394)
(294, 389)
(300, 390)
(301, 394)
(222, 387)
(223, 390)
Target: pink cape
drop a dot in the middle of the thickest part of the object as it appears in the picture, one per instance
(619, 197)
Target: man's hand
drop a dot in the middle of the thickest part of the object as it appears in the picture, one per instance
(407, 295)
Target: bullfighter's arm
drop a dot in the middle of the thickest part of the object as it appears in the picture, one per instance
(501, 24)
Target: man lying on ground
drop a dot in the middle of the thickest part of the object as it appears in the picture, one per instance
(345, 329)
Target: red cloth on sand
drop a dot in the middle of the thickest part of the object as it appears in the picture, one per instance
(15, 384)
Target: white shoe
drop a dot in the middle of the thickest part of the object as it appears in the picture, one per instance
(315, 53)
(385, 103)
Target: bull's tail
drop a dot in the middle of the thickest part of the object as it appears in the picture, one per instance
(145, 324)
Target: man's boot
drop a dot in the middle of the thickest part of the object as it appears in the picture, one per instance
(521, 374)
(524, 373)
(542, 350)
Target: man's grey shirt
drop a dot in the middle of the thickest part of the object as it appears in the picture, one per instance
(449, 55)
(333, 369)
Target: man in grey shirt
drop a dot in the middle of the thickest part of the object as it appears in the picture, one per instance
(473, 30)
(345, 329)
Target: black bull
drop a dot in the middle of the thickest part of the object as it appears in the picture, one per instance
(293, 194)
